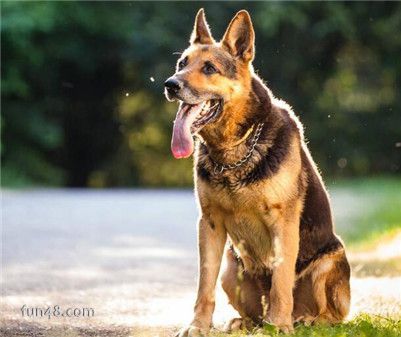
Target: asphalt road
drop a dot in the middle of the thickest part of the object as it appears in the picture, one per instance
(128, 256)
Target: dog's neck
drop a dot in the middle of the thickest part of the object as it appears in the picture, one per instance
(227, 139)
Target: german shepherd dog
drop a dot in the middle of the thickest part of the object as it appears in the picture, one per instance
(262, 200)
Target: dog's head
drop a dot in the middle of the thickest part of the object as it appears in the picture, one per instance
(209, 78)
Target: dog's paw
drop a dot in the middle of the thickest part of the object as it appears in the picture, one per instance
(192, 331)
(236, 324)
(285, 328)
(306, 320)
(282, 326)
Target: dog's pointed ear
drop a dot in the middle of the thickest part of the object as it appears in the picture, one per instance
(201, 32)
(239, 38)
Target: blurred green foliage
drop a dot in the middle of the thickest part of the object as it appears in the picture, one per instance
(377, 205)
(82, 85)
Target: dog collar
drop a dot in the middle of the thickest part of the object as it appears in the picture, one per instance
(245, 136)
(220, 168)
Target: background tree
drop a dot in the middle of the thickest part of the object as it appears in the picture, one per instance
(82, 86)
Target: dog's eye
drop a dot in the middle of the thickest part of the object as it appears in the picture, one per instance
(209, 68)
(182, 63)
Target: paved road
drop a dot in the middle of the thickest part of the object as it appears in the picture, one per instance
(128, 255)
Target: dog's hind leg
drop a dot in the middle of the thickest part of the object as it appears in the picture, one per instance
(328, 282)
(305, 309)
(338, 291)
(248, 295)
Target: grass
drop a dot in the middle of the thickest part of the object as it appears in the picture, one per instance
(361, 326)
(379, 211)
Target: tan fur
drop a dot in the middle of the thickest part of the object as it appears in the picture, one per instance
(262, 219)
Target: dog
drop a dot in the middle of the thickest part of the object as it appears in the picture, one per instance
(262, 201)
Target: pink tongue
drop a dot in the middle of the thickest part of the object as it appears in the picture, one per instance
(182, 144)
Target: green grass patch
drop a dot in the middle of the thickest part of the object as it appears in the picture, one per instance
(379, 210)
(361, 326)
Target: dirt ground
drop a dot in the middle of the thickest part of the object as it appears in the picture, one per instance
(131, 257)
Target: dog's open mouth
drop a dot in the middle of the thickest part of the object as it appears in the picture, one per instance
(189, 120)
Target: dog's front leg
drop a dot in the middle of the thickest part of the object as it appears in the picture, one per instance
(285, 246)
(211, 241)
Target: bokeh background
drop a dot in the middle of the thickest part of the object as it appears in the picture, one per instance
(82, 86)
(82, 105)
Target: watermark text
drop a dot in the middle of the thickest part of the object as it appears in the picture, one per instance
(56, 311)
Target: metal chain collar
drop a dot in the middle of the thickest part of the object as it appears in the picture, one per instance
(219, 168)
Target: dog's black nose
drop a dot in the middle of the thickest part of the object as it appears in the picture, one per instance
(172, 85)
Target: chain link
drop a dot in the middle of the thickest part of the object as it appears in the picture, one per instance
(219, 168)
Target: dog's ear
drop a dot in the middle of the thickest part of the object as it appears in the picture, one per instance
(239, 38)
(201, 33)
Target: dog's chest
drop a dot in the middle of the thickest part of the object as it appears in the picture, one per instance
(247, 219)
(251, 239)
